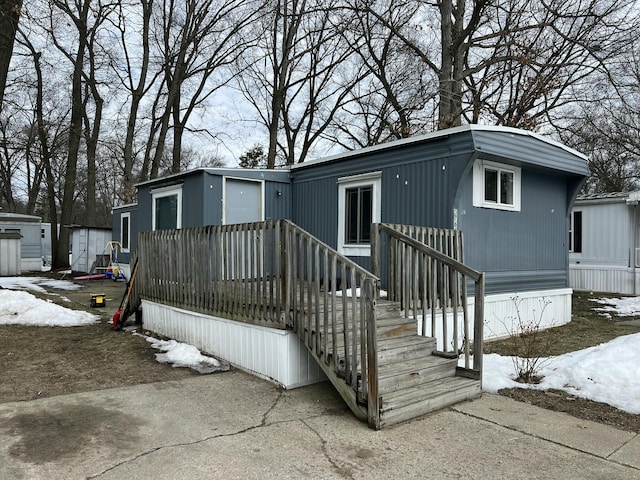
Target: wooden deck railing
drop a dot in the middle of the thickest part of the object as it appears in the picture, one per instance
(426, 275)
(231, 270)
(276, 274)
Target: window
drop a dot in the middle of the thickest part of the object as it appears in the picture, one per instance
(125, 236)
(575, 232)
(358, 208)
(358, 214)
(496, 186)
(167, 208)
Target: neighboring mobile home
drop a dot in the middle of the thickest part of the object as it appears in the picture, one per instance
(509, 191)
(604, 243)
(29, 227)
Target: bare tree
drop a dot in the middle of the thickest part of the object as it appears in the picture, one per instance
(199, 41)
(550, 53)
(81, 15)
(509, 63)
(299, 76)
(396, 99)
(133, 24)
(9, 16)
(606, 127)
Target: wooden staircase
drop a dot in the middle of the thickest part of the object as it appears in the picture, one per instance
(413, 380)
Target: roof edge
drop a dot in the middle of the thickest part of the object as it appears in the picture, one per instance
(438, 134)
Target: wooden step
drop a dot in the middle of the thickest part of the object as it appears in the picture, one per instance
(387, 328)
(412, 402)
(385, 309)
(396, 349)
(417, 371)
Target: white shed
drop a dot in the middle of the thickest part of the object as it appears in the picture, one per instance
(88, 243)
(10, 254)
(604, 243)
(30, 230)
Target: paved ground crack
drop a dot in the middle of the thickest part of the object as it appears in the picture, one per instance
(344, 472)
(549, 440)
(263, 423)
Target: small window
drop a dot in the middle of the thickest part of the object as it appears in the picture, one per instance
(125, 236)
(358, 208)
(575, 232)
(496, 186)
(167, 208)
(359, 211)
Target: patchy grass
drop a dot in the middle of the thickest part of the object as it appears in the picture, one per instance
(40, 362)
(586, 329)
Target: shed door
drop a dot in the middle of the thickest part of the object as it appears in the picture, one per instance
(242, 201)
(243, 204)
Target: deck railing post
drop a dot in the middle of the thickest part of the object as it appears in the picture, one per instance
(478, 325)
(369, 289)
(375, 254)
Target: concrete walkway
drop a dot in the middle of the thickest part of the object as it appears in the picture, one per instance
(234, 426)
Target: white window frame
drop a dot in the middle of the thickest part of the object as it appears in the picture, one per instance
(373, 179)
(126, 215)
(166, 192)
(479, 168)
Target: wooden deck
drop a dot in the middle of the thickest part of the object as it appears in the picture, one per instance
(275, 274)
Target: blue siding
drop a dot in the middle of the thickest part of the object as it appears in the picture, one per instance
(419, 182)
(202, 197)
(212, 199)
(277, 199)
(425, 181)
(519, 249)
(132, 210)
(193, 205)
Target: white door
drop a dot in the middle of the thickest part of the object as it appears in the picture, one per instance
(243, 204)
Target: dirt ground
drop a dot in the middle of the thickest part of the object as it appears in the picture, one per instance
(42, 362)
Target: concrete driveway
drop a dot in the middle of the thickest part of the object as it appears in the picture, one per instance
(234, 426)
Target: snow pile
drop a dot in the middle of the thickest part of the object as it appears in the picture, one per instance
(37, 283)
(606, 373)
(622, 307)
(22, 308)
(183, 355)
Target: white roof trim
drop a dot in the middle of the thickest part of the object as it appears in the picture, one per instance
(213, 170)
(437, 134)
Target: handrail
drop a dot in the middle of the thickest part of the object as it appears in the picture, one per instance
(335, 320)
(434, 285)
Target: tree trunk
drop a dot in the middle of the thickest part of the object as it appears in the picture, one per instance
(9, 16)
(75, 135)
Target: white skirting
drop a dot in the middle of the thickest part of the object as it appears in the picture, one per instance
(279, 355)
(273, 354)
(604, 278)
(501, 318)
